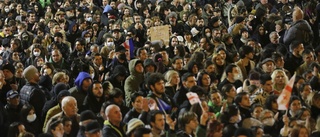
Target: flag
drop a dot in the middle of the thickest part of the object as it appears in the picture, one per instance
(284, 98)
(129, 45)
(163, 106)
(193, 98)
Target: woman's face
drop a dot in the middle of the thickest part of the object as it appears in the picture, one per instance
(195, 69)
(175, 80)
(305, 115)
(223, 54)
(210, 69)
(19, 73)
(274, 105)
(295, 105)
(261, 30)
(306, 91)
(232, 93)
(206, 80)
(279, 79)
(219, 60)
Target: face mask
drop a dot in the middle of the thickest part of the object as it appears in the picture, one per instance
(236, 76)
(89, 19)
(6, 10)
(268, 122)
(88, 40)
(36, 54)
(208, 34)
(31, 118)
(92, 75)
(48, 71)
(110, 44)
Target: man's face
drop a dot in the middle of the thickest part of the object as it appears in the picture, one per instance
(267, 87)
(256, 112)
(137, 19)
(178, 64)
(32, 18)
(143, 55)
(139, 68)
(200, 22)
(159, 122)
(79, 47)
(115, 114)
(147, 22)
(158, 87)
(71, 108)
(56, 56)
(275, 38)
(97, 60)
(86, 84)
(308, 58)
(116, 34)
(164, 55)
(7, 31)
(174, 42)
(14, 101)
(97, 90)
(172, 20)
(268, 67)
(7, 74)
(245, 101)
(216, 99)
(190, 82)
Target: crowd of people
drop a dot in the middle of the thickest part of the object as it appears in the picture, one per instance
(91, 68)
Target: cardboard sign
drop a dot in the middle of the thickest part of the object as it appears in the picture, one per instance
(160, 33)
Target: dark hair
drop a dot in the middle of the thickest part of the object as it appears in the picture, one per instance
(26, 108)
(139, 51)
(239, 96)
(301, 88)
(231, 110)
(207, 63)
(300, 112)
(55, 122)
(306, 52)
(214, 126)
(275, 56)
(81, 40)
(269, 100)
(134, 96)
(244, 50)
(13, 130)
(115, 93)
(139, 132)
(264, 78)
(229, 69)
(293, 98)
(254, 106)
(185, 119)
(181, 50)
(152, 115)
(200, 76)
(226, 88)
(185, 76)
(154, 78)
(176, 58)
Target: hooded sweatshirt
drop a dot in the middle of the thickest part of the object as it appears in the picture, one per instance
(77, 91)
(133, 82)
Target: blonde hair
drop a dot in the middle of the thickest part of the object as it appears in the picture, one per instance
(169, 74)
(56, 77)
(274, 74)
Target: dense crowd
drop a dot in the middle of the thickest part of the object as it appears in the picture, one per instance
(94, 68)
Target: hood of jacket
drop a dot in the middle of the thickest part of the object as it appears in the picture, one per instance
(132, 65)
(81, 77)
